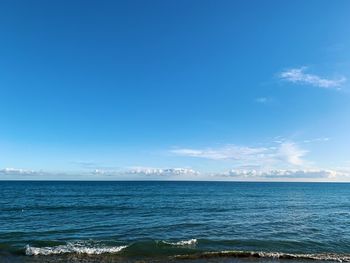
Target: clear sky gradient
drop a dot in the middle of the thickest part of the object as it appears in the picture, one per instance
(222, 90)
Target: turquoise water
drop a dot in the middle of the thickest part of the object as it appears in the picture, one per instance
(170, 221)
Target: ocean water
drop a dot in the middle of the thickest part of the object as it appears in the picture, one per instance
(173, 221)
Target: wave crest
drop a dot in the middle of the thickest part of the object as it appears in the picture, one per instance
(190, 242)
(78, 248)
(272, 255)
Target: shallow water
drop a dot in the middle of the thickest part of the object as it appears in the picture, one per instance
(163, 221)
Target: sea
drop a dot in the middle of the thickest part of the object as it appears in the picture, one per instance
(173, 221)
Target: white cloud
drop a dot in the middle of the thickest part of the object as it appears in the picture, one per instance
(146, 171)
(244, 172)
(284, 153)
(162, 171)
(284, 174)
(99, 173)
(15, 171)
(291, 153)
(298, 76)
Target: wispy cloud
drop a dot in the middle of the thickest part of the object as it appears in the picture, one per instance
(85, 164)
(25, 174)
(263, 100)
(284, 153)
(322, 139)
(299, 76)
(227, 152)
(91, 165)
(21, 172)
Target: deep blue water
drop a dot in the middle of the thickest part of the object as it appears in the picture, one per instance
(163, 219)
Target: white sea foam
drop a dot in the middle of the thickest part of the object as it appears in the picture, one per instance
(189, 242)
(78, 248)
(273, 255)
(325, 257)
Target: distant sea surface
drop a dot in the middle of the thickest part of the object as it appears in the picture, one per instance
(173, 222)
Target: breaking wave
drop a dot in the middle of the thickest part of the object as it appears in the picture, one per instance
(190, 242)
(270, 255)
(181, 251)
(89, 248)
(78, 248)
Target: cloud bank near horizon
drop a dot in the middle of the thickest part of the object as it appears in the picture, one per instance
(235, 174)
(281, 159)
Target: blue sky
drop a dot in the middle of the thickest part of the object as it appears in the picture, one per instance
(212, 90)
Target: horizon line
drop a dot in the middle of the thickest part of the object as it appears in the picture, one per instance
(199, 181)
